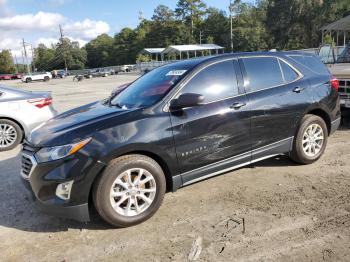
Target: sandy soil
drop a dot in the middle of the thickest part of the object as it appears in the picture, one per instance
(271, 211)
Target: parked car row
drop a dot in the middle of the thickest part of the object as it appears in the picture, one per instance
(10, 76)
(103, 72)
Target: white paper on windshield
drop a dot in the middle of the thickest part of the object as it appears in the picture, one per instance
(176, 73)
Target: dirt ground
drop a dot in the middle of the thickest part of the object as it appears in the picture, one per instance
(271, 211)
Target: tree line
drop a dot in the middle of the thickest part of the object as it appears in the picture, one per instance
(267, 24)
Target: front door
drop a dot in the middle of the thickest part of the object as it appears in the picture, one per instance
(215, 135)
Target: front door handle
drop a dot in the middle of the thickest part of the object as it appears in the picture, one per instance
(237, 105)
(298, 89)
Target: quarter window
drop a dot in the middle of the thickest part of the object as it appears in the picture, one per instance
(216, 82)
(289, 74)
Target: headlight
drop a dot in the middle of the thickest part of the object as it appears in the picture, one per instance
(54, 153)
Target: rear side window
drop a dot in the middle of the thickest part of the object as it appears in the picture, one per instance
(216, 82)
(289, 74)
(263, 72)
(312, 63)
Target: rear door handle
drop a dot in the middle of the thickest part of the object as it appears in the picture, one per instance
(298, 89)
(237, 105)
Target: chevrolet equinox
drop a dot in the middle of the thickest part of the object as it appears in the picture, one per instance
(176, 125)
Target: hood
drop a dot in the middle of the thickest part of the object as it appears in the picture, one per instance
(74, 125)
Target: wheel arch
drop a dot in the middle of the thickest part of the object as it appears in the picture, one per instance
(324, 115)
(17, 122)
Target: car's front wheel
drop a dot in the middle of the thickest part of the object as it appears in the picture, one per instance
(28, 80)
(10, 135)
(310, 141)
(130, 190)
(46, 78)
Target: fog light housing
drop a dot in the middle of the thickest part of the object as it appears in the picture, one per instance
(63, 190)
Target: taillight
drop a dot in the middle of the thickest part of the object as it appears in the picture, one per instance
(40, 103)
(334, 83)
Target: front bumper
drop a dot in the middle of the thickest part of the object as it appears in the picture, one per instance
(77, 212)
(43, 179)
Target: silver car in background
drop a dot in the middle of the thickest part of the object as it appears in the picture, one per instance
(20, 112)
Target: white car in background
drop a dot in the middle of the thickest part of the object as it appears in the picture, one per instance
(20, 112)
(43, 76)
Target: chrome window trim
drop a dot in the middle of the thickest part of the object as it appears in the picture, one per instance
(182, 85)
(293, 67)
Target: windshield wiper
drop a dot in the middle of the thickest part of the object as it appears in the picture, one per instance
(116, 105)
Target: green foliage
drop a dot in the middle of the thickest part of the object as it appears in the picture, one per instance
(48, 59)
(6, 62)
(329, 40)
(281, 24)
(143, 58)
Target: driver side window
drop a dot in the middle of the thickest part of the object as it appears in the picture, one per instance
(215, 82)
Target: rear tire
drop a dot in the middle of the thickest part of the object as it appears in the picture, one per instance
(46, 78)
(11, 135)
(137, 179)
(310, 141)
(28, 80)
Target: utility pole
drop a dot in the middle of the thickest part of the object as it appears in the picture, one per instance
(25, 54)
(231, 25)
(200, 37)
(63, 51)
(33, 58)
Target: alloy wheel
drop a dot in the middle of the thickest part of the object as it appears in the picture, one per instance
(8, 135)
(133, 192)
(313, 139)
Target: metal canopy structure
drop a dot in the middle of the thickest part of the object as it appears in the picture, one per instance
(153, 52)
(175, 51)
(337, 29)
(187, 49)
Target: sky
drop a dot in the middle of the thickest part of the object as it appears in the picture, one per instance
(37, 21)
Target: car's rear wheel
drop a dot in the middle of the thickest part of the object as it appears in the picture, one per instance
(311, 140)
(46, 78)
(10, 135)
(130, 190)
(28, 80)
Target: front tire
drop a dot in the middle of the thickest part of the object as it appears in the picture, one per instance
(310, 141)
(28, 80)
(46, 79)
(129, 191)
(11, 135)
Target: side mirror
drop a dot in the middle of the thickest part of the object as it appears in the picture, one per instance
(186, 100)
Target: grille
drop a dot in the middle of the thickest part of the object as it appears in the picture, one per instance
(344, 88)
(27, 166)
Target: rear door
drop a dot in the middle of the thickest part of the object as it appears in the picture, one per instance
(215, 135)
(278, 96)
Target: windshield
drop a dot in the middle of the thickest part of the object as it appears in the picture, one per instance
(151, 87)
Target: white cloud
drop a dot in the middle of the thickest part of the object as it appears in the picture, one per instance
(42, 27)
(86, 29)
(28, 22)
(47, 41)
(14, 44)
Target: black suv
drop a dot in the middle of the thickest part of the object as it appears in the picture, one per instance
(176, 125)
